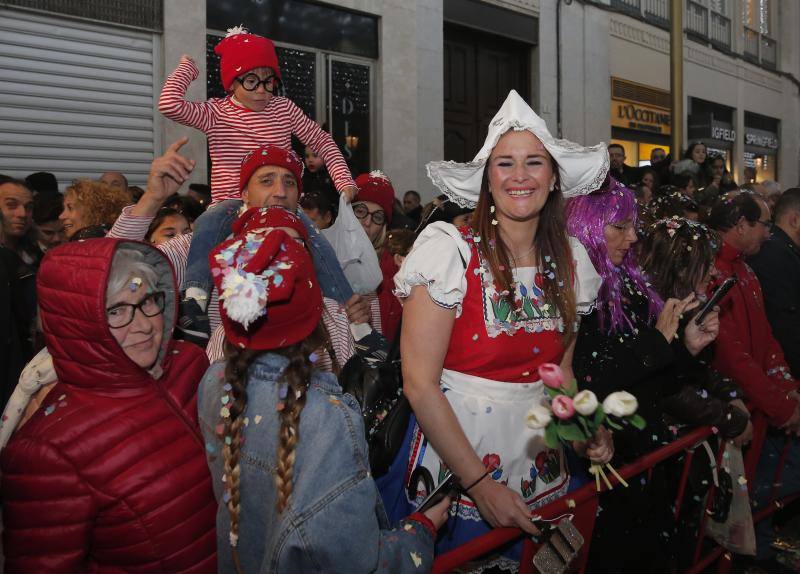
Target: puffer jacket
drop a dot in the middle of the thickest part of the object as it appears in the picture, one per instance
(109, 475)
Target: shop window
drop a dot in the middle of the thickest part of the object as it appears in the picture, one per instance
(335, 91)
(349, 109)
(300, 22)
(759, 167)
(637, 154)
(645, 149)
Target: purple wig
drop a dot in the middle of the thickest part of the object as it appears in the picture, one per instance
(587, 217)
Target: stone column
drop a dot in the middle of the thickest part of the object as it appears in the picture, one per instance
(185, 33)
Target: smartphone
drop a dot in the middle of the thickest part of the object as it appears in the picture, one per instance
(721, 291)
(448, 485)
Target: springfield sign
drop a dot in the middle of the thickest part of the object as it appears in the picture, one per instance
(639, 117)
(760, 138)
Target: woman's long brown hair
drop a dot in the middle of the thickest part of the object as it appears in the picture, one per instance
(551, 241)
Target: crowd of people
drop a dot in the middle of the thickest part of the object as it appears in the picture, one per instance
(181, 411)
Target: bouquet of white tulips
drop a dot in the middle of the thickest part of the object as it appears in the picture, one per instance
(572, 415)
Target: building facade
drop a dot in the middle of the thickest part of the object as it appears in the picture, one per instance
(741, 71)
(403, 82)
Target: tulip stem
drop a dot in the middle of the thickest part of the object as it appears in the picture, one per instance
(613, 471)
(605, 478)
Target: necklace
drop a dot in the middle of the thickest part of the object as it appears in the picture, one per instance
(516, 257)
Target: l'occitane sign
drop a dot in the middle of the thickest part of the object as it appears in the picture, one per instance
(639, 117)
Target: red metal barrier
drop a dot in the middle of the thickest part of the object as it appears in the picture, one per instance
(570, 503)
(582, 503)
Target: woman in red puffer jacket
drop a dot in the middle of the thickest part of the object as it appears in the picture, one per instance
(109, 475)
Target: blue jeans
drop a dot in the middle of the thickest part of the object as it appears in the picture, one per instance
(214, 226)
(765, 474)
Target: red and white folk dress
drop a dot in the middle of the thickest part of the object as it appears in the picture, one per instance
(490, 371)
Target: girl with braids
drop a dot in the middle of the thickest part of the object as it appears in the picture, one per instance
(484, 307)
(637, 340)
(286, 448)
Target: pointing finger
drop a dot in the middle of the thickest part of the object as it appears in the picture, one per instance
(176, 145)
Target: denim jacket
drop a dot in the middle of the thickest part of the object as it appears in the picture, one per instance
(335, 520)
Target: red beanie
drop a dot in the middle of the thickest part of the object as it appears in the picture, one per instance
(376, 187)
(269, 295)
(271, 155)
(240, 52)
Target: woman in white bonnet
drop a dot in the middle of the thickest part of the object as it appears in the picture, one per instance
(484, 307)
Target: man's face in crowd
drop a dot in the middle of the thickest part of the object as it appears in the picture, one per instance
(271, 185)
(114, 179)
(753, 235)
(657, 155)
(617, 157)
(410, 201)
(16, 207)
(51, 233)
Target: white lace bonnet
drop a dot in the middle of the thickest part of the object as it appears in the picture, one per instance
(582, 170)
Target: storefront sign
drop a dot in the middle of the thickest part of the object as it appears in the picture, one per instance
(707, 128)
(760, 138)
(724, 134)
(639, 117)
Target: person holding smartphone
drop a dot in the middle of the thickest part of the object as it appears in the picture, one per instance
(639, 339)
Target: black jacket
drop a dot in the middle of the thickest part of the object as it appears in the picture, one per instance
(627, 176)
(777, 266)
(17, 317)
(671, 385)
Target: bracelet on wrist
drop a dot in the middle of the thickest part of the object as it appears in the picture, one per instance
(474, 484)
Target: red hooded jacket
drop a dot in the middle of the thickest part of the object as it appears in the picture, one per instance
(109, 475)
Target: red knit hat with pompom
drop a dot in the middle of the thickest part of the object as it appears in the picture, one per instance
(239, 52)
(376, 187)
(269, 294)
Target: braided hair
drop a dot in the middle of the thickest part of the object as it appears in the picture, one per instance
(293, 388)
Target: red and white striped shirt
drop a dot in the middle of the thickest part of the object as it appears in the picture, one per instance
(234, 130)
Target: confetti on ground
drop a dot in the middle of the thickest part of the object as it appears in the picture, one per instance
(257, 419)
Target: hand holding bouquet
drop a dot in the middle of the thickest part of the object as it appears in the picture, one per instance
(573, 415)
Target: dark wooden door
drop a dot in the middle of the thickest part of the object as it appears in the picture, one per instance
(479, 71)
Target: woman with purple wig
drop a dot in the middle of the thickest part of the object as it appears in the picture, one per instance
(635, 340)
